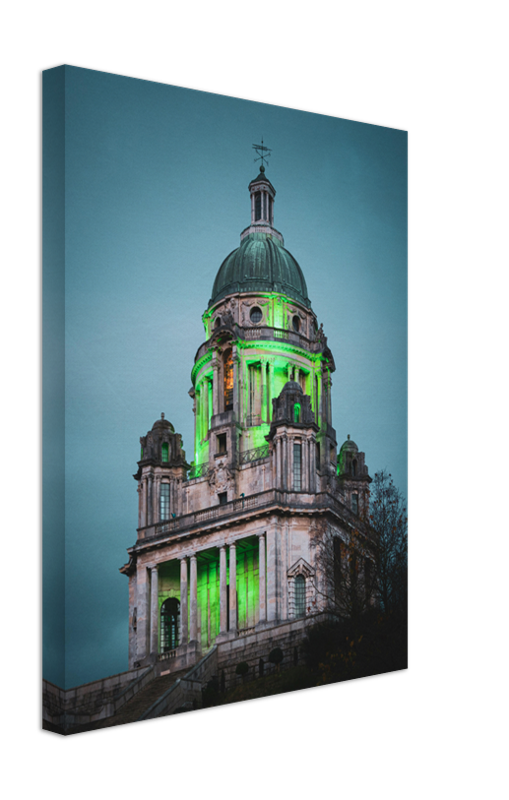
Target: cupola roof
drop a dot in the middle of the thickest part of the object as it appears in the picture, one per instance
(349, 445)
(162, 424)
(261, 263)
(292, 386)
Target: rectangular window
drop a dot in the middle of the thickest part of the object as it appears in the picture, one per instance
(165, 501)
(221, 443)
(300, 596)
(297, 452)
(223, 498)
(355, 503)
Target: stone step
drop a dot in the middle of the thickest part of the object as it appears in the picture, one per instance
(135, 707)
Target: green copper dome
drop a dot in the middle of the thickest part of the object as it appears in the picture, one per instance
(260, 264)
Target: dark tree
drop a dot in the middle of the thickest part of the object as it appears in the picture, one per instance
(389, 522)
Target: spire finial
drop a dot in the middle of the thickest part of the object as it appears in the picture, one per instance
(162, 416)
(262, 153)
(348, 437)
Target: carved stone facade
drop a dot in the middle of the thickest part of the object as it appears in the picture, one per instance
(226, 544)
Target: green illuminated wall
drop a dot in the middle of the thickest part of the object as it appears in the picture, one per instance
(278, 312)
(208, 589)
(247, 587)
(208, 599)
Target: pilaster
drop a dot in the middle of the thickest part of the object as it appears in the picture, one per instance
(223, 624)
(154, 609)
(262, 614)
(233, 588)
(183, 600)
(193, 592)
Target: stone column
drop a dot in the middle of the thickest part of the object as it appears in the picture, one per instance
(223, 625)
(149, 499)
(252, 209)
(284, 464)
(289, 446)
(271, 575)
(236, 376)
(193, 592)
(157, 498)
(271, 390)
(304, 465)
(233, 588)
(206, 406)
(144, 501)
(312, 465)
(289, 372)
(192, 394)
(215, 386)
(329, 397)
(277, 444)
(154, 610)
(140, 504)
(263, 399)
(262, 617)
(183, 600)
(142, 614)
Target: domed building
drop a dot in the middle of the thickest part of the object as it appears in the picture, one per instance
(225, 560)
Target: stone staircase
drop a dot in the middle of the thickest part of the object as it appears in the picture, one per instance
(135, 708)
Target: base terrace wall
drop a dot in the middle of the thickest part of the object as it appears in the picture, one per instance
(86, 702)
(288, 636)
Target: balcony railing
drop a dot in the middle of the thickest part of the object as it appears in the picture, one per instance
(271, 497)
(198, 471)
(272, 334)
(254, 455)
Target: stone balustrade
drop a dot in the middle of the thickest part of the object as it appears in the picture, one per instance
(260, 501)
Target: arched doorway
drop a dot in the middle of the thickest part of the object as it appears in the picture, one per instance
(170, 619)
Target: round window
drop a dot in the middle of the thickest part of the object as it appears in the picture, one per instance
(296, 323)
(256, 315)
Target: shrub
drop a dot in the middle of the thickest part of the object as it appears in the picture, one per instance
(276, 657)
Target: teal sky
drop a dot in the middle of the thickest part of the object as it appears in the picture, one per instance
(156, 196)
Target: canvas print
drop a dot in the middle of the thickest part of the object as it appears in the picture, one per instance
(224, 400)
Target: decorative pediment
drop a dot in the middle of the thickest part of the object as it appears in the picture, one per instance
(301, 567)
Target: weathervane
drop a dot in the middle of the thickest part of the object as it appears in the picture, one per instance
(262, 153)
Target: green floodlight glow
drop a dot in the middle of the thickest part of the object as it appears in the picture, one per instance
(208, 591)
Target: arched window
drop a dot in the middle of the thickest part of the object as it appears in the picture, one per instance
(300, 596)
(258, 205)
(255, 315)
(169, 617)
(296, 412)
(164, 451)
(228, 380)
(354, 467)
